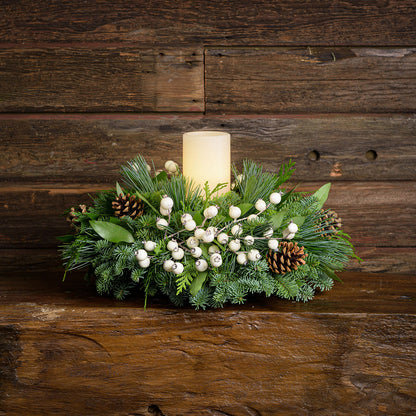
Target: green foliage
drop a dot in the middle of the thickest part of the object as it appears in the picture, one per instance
(106, 245)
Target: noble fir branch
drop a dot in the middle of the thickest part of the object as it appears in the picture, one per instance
(136, 176)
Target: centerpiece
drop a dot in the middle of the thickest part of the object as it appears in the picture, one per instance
(207, 244)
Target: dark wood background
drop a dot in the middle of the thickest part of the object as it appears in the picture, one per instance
(85, 86)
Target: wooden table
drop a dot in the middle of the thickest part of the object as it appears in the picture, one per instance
(66, 351)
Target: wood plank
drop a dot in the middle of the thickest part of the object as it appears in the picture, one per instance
(351, 348)
(308, 80)
(77, 148)
(107, 79)
(375, 214)
(235, 22)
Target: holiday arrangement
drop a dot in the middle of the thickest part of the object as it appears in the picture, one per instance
(158, 232)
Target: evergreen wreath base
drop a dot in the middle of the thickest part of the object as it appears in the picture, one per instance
(160, 233)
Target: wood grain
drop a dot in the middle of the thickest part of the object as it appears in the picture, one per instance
(32, 217)
(107, 79)
(78, 148)
(350, 351)
(308, 80)
(235, 22)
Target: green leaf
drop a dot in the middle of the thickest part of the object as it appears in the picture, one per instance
(111, 232)
(197, 283)
(198, 218)
(119, 190)
(332, 275)
(250, 186)
(322, 194)
(139, 195)
(66, 238)
(298, 220)
(245, 207)
(277, 219)
(162, 176)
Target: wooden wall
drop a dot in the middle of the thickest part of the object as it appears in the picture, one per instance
(86, 85)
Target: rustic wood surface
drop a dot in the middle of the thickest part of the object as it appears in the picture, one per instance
(234, 22)
(77, 148)
(105, 79)
(351, 351)
(308, 80)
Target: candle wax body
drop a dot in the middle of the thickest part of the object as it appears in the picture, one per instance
(207, 157)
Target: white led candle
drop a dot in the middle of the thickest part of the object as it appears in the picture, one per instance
(207, 157)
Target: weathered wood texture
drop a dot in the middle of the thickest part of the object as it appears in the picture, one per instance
(32, 218)
(308, 80)
(55, 148)
(351, 351)
(218, 22)
(104, 79)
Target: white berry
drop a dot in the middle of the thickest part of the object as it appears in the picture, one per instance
(192, 242)
(268, 233)
(213, 249)
(241, 258)
(208, 236)
(253, 255)
(275, 197)
(161, 224)
(186, 217)
(166, 202)
(292, 227)
(167, 265)
(149, 245)
(196, 252)
(165, 212)
(149, 169)
(287, 234)
(172, 245)
(199, 232)
(249, 240)
(177, 268)
(234, 212)
(252, 217)
(144, 263)
(260, 205)
(141, 254)
(234, 245)
(222, 238)
(273, 244)
(171, 166)
(215, 260)
(178, 253)
(236, 230)
(190, 225)
(210, 212)
(201, 265)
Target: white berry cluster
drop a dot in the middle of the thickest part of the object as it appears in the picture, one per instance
(213, 240)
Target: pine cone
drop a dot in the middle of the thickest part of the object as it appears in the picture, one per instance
(128, 205)
(288, 258)
(73, 214)
(330, 222)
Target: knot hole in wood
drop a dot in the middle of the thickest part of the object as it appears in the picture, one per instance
(371, 155)
(314, 155)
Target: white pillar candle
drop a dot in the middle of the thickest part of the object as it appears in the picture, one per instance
(207, 157)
